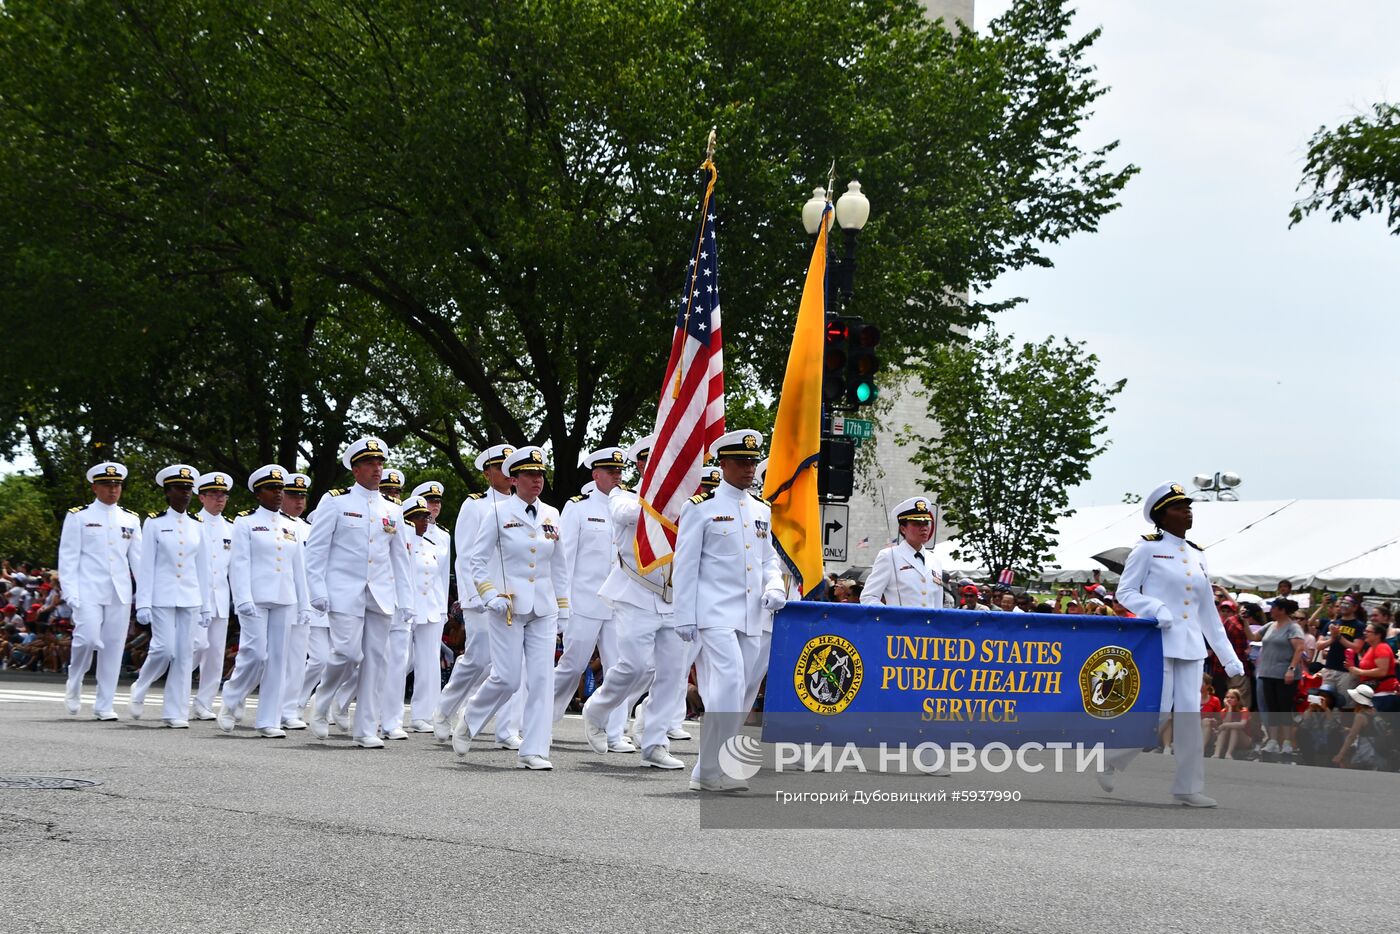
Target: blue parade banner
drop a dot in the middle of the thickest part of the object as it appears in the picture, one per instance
(867, 675)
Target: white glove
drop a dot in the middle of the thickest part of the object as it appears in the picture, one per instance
(407, 616)
(498, 604)
(143, 615)
(320, 604)
(687, 633)
(1165, 618)
(1234, 669)
(774, 600)
(246, 609)
(205, 618)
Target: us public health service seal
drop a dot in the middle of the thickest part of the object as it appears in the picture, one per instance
(828, 675)
(1109, 682)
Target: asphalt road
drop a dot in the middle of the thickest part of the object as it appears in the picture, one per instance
(194, 830)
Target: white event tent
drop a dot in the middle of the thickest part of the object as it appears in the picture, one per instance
(1327, 544)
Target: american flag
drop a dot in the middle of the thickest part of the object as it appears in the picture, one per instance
(1007, 577)
(691, 414)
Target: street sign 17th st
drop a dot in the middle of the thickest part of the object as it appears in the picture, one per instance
(856, 429)
(836, 517)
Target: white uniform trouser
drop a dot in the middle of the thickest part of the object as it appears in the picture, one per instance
(581, 634)
(261, 662)
(755, 669)
(725, 654)
(426, 653)
(298, 637)
(209, 648)
(391, 691)
(1181, 700)
(646, 643)
(470, 671)
(356, 641)
(99, 630)
(171, 654)
(318, 655)
(521, 654)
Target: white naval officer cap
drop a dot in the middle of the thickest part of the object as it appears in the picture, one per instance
(1161, 497)
(266, 476)
(611, 458)
(494, 456)
(427, 488)
(177, 475)
(393, 477)
(640, 448)
(106, 472)
(364, 448)
(918, 508)
(528, 459)
(214, 481)
(745, 443)
(415, 506)
(707, 478)
(297, 483)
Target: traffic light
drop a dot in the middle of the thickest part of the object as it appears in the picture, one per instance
(861, 362)
(834, 362)
(836, 467)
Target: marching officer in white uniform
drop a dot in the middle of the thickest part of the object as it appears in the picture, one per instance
(270, 593)
(1165, 578)
(300, 644)
(427, 634)
(589, 555)
(474, 664)
(906, 573)
(430, 569)
(726, 575)
(210, 644)
(99, 546)
(173, 595)
(650, 654)
(519, 572)
(391, 485)
(357, 570)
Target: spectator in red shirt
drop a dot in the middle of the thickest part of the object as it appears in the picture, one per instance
(1234, 722)
(1377, 668)
(1210, 711)
(1239, 635)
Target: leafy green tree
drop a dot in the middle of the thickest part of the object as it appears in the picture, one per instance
(1020, 427)
(1354, 169)
(278, 213)
(27, 529)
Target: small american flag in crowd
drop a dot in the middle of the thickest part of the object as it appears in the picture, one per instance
(691, 414)
(1007, 577)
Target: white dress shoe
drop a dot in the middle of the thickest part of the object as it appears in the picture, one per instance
(461, 739)
(178, 724)
(107, 715)
(1196, 800)
(622, 745)
(227, 720)
(442, 727)
(659, 757)
(72, 700)
(294, 723)
(510, 742)
(270, 732)
(721, 784)
(368, 742)
(136, 707)
(319, 727)
(676, 732)
(596, 735)
(534, 763)
(344, 720)
(421, 726)
(199, 712)
(396, 733)
(1107, 779)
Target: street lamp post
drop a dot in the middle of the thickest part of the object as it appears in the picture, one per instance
(852, 212)
(1220, 486)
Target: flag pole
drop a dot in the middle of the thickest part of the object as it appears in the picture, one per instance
(708, 166)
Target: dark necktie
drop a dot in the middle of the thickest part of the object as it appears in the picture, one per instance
(920, 556)
(530, 510)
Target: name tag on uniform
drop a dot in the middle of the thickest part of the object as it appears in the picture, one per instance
(260, 528)
(513, 525)
(1168, 557)
(390, 525)
(596, 519)
(550, 532)
(167, 530)
(94, 525)
(354, 515)
(907, 567)
(760, 528)
(722, 519)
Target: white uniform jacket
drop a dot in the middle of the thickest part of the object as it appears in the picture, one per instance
(724, 561)
(99, 548)
(355, 556)
(525, 552)
(220, 531)
(620, 586)
(586, 539)
(468, 523)
(173, 569)
(267, 565)
(428, 556)
(1166, 572)
(903, 580)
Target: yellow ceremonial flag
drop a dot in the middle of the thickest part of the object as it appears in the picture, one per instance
(790, 483)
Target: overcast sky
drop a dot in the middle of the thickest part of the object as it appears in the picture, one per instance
(1234, 332)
